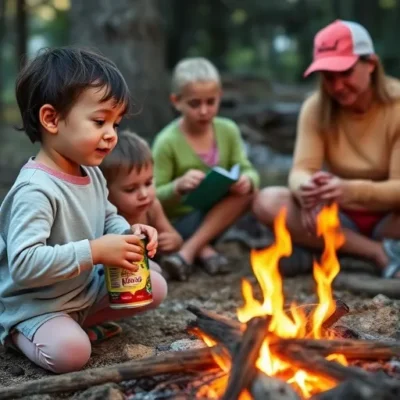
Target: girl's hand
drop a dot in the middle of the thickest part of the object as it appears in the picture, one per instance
(151, 234)
(242, 186)
(189, 181)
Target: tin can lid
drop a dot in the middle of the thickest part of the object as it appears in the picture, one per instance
(129, 232)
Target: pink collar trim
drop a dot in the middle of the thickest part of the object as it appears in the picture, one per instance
(76, 180)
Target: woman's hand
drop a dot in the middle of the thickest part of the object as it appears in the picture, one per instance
(330, 188)
(323, 187)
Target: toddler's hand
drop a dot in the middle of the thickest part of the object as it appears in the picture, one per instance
(169, 242)
(189, 181)
(117, 251)
(242, 186)
(151, 234)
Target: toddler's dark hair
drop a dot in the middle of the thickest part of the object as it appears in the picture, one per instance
(131, 152)
(58, 76)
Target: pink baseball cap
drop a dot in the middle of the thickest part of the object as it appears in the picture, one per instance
(339, 45)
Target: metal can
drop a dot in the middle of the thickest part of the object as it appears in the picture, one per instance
(127, 289)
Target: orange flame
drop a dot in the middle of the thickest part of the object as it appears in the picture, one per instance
(328, 227)
(293, 324)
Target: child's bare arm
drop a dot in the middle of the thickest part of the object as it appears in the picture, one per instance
(168, 238)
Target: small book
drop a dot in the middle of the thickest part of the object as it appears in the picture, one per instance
(212, 188)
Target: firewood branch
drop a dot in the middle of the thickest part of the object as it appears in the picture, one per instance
(176, 362)
(244, 361)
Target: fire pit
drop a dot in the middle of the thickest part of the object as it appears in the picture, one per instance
(291, 353)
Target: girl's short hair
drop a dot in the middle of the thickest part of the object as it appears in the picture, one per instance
(191, 70)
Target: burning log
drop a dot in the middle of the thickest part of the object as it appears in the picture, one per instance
(316, 364)
(244, 368)
(351, 349)
(244, 373)
(221, 329)
(362, 381)
(177, 362)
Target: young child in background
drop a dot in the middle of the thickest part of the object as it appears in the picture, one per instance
(183, 153)
(57, 228)
(129, 174)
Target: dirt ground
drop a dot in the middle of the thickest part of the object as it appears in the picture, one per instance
(149, 333)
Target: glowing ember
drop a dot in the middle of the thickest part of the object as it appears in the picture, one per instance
(293, 324)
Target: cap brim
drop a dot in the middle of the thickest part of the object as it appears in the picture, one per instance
(333, 64)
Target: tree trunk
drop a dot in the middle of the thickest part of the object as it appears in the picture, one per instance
(182, 27)
(22, 33)
(2, 34)
(129, 32)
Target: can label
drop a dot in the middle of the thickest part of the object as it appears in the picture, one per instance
(127, 289)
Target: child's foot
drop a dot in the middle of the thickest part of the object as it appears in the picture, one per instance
(106, 330)
(213, 262)
(216, 264)
(177, 267)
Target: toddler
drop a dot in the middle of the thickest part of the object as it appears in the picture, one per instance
(57, 228)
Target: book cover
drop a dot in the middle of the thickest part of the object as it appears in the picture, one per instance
(213, 187)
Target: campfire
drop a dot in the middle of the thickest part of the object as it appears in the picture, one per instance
(283, 352)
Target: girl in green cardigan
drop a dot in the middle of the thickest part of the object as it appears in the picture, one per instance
(183, 153)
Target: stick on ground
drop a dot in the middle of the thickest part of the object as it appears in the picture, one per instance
(176, 362)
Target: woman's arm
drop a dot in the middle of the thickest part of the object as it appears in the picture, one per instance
(309, 153)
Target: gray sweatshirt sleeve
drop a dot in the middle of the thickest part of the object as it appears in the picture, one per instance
(114, 223)
(32, 262)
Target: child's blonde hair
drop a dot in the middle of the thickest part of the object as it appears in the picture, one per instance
(131, 152)
(191, 70)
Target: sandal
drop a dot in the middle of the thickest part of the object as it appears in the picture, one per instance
(176, 267)
(216, 264)
(106, 330)
(392, 249)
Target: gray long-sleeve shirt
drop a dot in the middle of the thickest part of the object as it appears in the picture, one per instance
(46, 222)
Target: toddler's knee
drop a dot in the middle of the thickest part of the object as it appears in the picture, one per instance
(160, 288)
(71, 354)
(154, 266)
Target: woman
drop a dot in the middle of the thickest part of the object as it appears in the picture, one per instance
(350, 127)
